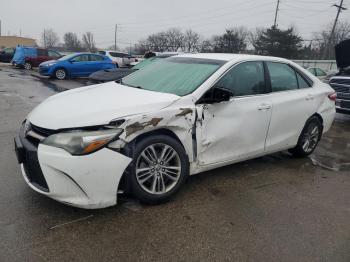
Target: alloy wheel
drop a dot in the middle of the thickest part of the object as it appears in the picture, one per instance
(158, 168)
(310, 138)
(60, 74)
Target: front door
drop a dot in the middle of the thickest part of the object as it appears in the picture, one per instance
(236, 129)
(80, 65)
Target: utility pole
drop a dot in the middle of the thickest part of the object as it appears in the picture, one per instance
(331, 36)
(45, 38)
(0, 27)
(277, 8)
(115, 37)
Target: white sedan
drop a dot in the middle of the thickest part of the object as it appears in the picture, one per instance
(177, 117)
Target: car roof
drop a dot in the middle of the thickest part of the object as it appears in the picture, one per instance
(233, 57)
(112, 51)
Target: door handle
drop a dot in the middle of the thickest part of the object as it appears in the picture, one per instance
(264, 107)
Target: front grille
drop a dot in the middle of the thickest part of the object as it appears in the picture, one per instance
(342, 81)
(340, 85)
(340, 88)
(30, 160)
(36, 134)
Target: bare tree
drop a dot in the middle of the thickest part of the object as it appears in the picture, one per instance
(158, 42)
(88, 42)
(49, 38)
(191, 41)
(175, 39)
(71, 42)
(320, 39)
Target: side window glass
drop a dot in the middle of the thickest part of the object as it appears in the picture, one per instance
(244, 79)
(301, 81)
(96, 58)
(312, 71)
(53, 54)
(81, 58)
(282, 76)
(42, 52)
(320, 72)
(9, 51)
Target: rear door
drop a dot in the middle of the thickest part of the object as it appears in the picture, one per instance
(236, 129)
(292, 104)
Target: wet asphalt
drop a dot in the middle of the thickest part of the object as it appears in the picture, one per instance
(274, 208)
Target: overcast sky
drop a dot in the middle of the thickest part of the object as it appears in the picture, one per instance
(138, 18)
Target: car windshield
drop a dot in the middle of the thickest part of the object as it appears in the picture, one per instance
(145, 62)
(175, 75)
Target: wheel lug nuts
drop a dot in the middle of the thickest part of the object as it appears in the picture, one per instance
(163, 169)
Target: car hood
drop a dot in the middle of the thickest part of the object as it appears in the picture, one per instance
(48, 62)
(96, 105)
(342, 54)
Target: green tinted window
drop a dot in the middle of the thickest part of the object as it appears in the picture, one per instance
(244, 79)
(145, 62)
(301, 81)
(175, 75)
(282, 76)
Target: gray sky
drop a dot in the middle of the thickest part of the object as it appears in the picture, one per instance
(138, 18)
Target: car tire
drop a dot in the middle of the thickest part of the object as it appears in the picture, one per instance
(60, 73)
(155, 179)
(28, 65)
(309, 138)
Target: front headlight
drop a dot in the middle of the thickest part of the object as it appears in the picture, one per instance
(50, 64)
(80, 142)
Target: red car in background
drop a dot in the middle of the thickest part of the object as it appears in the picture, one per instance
(43, 56)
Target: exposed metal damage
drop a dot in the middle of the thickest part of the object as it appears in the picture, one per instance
(138, 126)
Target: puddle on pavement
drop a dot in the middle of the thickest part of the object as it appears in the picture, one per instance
(53, 86)
(330, 163)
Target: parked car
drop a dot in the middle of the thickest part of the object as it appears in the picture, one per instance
(6, 54)
(21, 53)
(119, 58)
(318, 72)
(43, 55)
(115, 74)
(177, 117)
(341, 82)
(75, 65)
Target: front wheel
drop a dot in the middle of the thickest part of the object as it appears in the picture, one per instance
(60, 74)
(160, 166)
(309, 138)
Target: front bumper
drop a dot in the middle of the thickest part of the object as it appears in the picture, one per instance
(44, 70)
(89, 181)
(342, 103)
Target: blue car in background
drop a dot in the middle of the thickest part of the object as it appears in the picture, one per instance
(75, 65)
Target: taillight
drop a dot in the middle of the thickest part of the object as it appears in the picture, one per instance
(332, 96)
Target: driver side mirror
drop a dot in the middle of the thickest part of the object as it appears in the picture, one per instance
(216, 94)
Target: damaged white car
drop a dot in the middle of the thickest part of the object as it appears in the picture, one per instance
(177, 117)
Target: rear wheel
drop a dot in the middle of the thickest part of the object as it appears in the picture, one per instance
(28, 65)
(60, 74)
(159, 168)
(309, 138)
